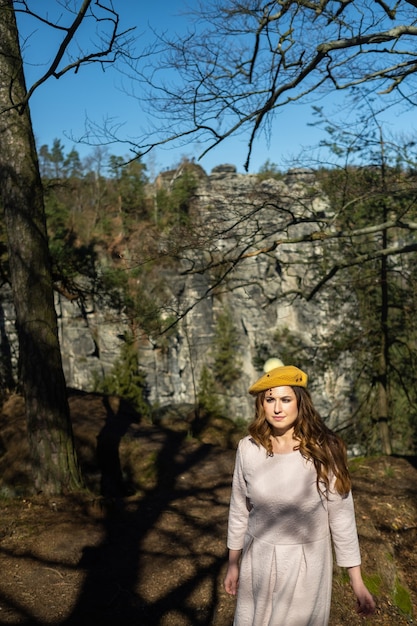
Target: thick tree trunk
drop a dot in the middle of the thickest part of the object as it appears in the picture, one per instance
(55, 467)
(383, 401)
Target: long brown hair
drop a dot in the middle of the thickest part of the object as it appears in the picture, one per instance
(316, 442)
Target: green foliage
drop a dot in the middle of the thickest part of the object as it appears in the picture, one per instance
(269, 170)
(183, 190)
(90, 219)
(227, 364)
(262, 354)
(145, 306)
(355, 464)
(389, 471)
(374, 186)
(101, 243)
(125, 379)
(88, 197)
(150, 471)
(374, 583)
(57, 210)
(51, 162)
(111, 288)
(402, 599)
(73, 165)
(129, 185)
(174, 205)
(70, 264)
(208, 399)
(225, 368)
(292, 348)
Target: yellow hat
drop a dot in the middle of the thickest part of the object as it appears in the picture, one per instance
(279, 377)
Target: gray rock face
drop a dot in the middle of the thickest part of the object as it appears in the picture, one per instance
(239, 216)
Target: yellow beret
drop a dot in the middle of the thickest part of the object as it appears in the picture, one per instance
(280, 377)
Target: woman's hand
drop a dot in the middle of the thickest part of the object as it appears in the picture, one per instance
(231, 581)
(365, 604)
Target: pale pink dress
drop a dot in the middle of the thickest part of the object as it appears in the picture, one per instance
(285, 529)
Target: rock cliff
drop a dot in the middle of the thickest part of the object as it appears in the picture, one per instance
(238, 215)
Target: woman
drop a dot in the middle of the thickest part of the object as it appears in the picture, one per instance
(291, 495)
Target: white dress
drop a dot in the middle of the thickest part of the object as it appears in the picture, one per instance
(285, 529)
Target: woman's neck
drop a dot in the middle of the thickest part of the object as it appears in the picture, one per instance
(283, 441)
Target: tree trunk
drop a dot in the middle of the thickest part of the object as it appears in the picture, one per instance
(54, 461)
(383, 400)
(383, 403)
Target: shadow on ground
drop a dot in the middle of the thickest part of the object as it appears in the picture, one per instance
(147, 549)
(145, 545)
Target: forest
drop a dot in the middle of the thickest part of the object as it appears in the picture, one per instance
(64, 219)
(107, 224)
(110, 515)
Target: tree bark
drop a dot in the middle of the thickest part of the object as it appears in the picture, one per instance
(54, 460)
(383, 400)
(383, 403)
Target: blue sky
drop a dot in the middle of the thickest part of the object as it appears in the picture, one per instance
(60, 107)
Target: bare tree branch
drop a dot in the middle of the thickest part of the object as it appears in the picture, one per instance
(107, 54)
(245, 60)
(363, 258)
(322, 235)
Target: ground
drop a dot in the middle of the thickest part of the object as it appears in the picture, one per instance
(144, 545)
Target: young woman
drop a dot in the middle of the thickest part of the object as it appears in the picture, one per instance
(291, 498)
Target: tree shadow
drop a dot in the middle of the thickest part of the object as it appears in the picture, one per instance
(148, 555)
(113, 591)
(412, 459)
(118, 420)
(6, 368)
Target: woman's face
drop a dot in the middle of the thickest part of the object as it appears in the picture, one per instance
(281, 408)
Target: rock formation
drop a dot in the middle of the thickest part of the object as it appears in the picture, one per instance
(238, 215)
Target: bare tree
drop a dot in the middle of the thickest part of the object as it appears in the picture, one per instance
(54, 460)
(244, 60)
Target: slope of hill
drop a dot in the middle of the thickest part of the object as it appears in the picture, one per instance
(152, 551)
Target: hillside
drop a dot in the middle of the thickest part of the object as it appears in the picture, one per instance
(156, 555)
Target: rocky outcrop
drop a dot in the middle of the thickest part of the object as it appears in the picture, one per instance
(238, 215)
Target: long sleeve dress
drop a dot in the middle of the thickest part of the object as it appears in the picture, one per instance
(285, 530)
